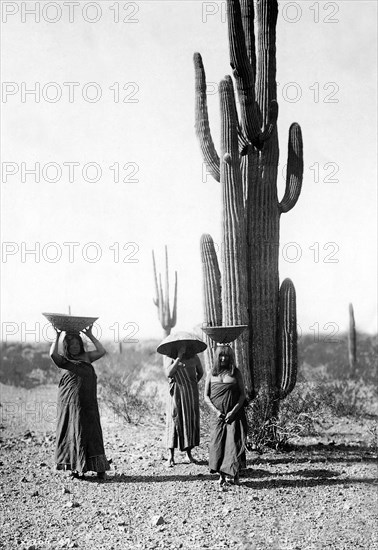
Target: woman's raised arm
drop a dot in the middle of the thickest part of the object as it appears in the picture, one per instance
(100, 350)
(171, 366)
(58, 359)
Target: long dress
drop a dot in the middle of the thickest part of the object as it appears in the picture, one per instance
(183, 415)
(227, 443)
(79, 442)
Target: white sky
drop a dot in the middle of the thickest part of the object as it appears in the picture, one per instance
(169, 203)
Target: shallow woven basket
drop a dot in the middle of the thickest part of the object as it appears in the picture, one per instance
(224, 335)
(69, 323)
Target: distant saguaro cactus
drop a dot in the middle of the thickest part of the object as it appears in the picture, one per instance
(352, 341)
(166, 317)
(248, 290)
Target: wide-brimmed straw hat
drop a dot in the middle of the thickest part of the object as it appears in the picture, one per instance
(69, 323)
(172, 343)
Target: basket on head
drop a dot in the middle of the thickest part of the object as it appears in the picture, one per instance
(69, 323)
(172, 343)
(226, 334)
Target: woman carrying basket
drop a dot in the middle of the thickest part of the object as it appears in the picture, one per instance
(225, 395)
(79, 443)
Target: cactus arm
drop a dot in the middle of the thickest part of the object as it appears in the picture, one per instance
(242, 140)
(288, 356)
(352, 345)
(270, 125)
(266, 88)
(233, 236)
(156, 299)
(243, 143)
(202, 127)
(211, 282)
(248, 16)
(243, 62)
(161, 303)
(294, 172)
(243, 73)
(212, 293)
(167, 313)
(174, 310)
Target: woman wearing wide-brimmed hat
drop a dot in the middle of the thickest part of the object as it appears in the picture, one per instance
(184, 370)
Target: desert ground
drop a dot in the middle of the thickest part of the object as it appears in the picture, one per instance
(319, 492)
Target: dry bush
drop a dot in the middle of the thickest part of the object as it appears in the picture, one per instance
(130, 400)
(131, 384)
(310, 408)
(348, 398)
(268, 428)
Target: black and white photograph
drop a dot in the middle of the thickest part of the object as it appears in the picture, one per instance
(189, 275)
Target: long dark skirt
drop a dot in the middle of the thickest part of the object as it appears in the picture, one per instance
(79, 442)
(183, 415)
(227, 444)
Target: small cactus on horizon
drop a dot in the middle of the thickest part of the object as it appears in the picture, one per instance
(166, 317)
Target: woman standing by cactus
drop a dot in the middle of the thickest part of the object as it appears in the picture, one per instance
(79, 443)
(225, 395)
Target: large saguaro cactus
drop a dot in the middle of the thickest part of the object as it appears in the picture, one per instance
(166, 317)
(248, 290)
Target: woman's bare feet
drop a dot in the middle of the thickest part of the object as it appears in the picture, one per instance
(76, 475)
(190, 458)
(236, 480)
(233, 479)
(171, 461)
(222, 483)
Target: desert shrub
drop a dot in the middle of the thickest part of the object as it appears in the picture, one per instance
(352, 398)
(276, 424)
(132, 384)
(128, 398)
(311, 407)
